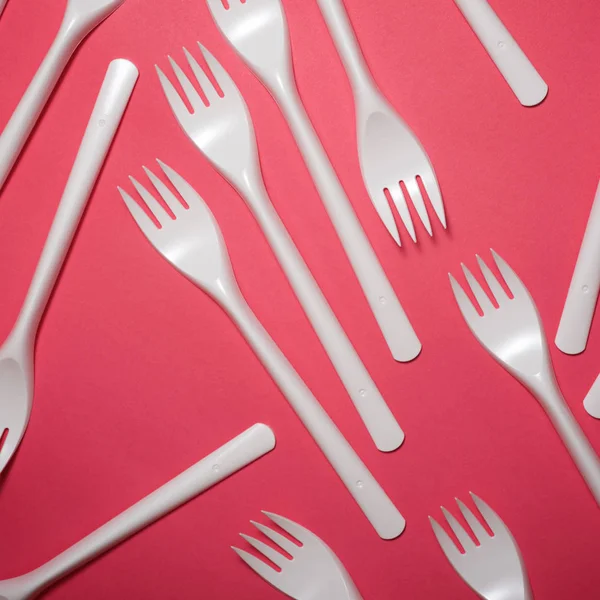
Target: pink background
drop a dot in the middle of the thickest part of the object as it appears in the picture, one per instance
(139, 374)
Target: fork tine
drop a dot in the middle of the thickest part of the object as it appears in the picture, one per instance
(384, 211)
(482, 298)
(492, 282)
(402, 208)
(257, 565)
(173, 98)
(221, 76)
(515, 285)
(276, 538)
(187, 192)
(491, 518)
(192, 95)
(417, 199)
(275, 557)
(444, 540)
(144, 222)
(477, 528)
(151, 202)
(463, 537)
(466, 306)
(167, 195)
(435, 195)
(205, 83)
(292, 528)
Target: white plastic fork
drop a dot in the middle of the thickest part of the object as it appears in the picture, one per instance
(2, 5)
(493, 568)
(193, 244)
(224, 133)
(257, 30)
(388, 150)
(81, 16)
(314, 572)
(514, 335)
(223, 462)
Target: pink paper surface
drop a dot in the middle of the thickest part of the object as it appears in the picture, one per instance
(139, 374)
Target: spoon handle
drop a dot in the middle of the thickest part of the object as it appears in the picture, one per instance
(106, 116)
(223, 462)
(374, 502)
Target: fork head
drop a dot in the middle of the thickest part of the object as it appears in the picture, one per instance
(190, 239)
(390, 153)
(313, 571)
(512, 333)
(257, 30)
(493, 567)
(221, 128)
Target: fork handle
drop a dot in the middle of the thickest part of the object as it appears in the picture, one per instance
(577, 444)
(513, 64)
(233, 456)
(393, 322)
(367, 399)
(107, 113)
(576, 319)
(347, 45)
(364, 488)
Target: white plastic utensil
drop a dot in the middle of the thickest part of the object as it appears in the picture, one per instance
(233, 456)
(224, 133)
(81, 16)
(514, 335)
(2, 5)
(576, 319)
(16, 354)
(493, 568)
(314, 572)
(193, 244)
(517, 70)
(388, 150)
(258, 31)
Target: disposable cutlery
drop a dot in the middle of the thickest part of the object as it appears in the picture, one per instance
(313, 572)
(193, 244)
(2, 5)
(223, 462)
(388, 150)
(517, 70)
(257, 30)
(576, 319)
(81, 17)
(16, 354)
(493, 567)
(514, 335)
(224, 133)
